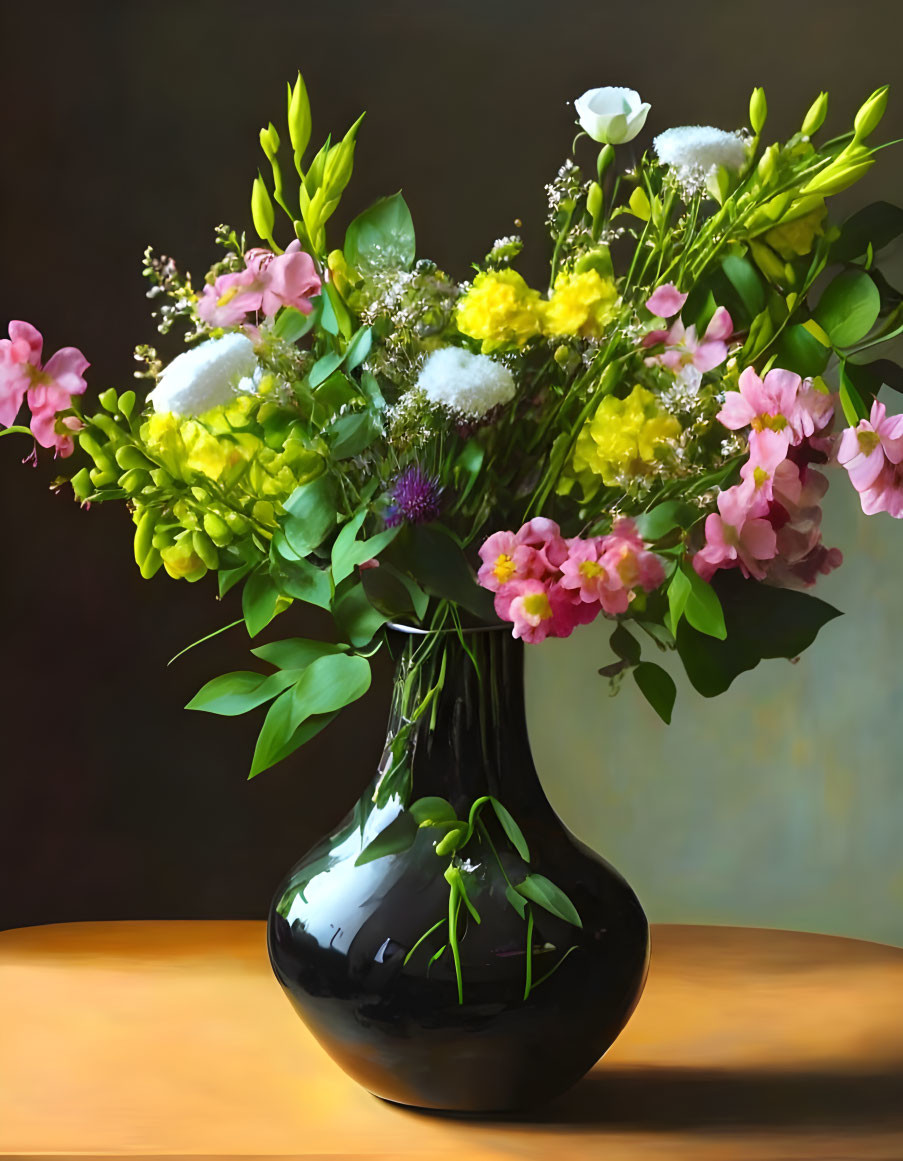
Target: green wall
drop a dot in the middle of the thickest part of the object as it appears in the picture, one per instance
(779, 804)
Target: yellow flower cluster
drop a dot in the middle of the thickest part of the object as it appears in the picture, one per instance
(581, 304)
(625, 439)
(500, 309)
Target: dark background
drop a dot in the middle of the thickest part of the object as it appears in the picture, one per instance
(128, 123)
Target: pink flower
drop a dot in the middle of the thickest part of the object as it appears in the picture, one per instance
(688, 356)
(869, 448)
(591, 582)
(735, 537)
(545, 536)
(780, 402)
(505, 560)
(666, 301)
(268, 282)
(624, 553)
(768, 470)
(540, 610)
(49, 388)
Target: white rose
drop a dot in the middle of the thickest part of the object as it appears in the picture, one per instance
(611, 115)
(206, 376)
(465, 383)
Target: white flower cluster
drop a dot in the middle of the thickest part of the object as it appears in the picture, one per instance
(695, 152)
(206, 376)
(465, 383)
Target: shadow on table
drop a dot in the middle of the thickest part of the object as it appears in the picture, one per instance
(685, 1098)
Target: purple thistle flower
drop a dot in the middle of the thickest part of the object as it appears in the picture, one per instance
(415, 498)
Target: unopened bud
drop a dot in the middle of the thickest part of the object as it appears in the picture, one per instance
(758, 110)
(869, 116)
(814, 119)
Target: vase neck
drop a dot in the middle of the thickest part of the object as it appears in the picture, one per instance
(458, 722)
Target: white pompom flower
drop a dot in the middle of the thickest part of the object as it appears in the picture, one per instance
(611, 115)
(465, 383)
(206, 376)
(695, 152)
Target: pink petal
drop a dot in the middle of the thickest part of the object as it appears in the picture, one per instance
(23, 332)
(865, 469)
(652, 338)
(666, 301)
(736, 411)
(720, 327)
(709, 355)
(67, 369)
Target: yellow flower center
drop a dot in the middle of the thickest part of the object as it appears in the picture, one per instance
(537, 605)
(760, 476)
(590, 569)
(868, 441)
(228, 295)
(772, 422)
(504, 568)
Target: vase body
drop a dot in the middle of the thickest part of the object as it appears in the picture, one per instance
(340, 935)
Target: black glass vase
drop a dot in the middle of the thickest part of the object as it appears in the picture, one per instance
(346, 938)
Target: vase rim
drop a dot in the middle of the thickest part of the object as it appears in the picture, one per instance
(416, 631)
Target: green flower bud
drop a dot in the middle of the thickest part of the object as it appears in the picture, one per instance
(129, 457)
(81, 484)
(133, 481)
(594, 200)
(768, 163)
(161, 478)
(848, 167)
(562, 355)
(299, 120)
(262, 213)
(269, 141)
(239, 524)
(217, 529)
(869, 116)
(205, 549)
(758, 110)
(814, 119)
(144, 533)
(450, 842)
(108, 400)
(151, 564)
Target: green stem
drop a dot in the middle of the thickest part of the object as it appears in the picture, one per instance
(425, 935)
(18, 429)
(454, 906)
(528, 984)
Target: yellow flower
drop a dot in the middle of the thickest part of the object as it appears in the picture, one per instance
(581, 304)
(794, 239)
(625, 439)
(182, 562)
(500, 309)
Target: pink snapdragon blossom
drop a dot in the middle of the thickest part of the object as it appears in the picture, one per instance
(768, 470)
(666, 301)
(688, 356)
(780, 402)
(544, 535)
(505, 559)
(867, 449)
(268, 282)
(736, 535)
(625, 553)
(48, 387)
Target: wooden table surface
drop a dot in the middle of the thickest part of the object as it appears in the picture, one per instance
(173, 1038)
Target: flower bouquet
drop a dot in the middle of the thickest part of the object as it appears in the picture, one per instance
(447, 467)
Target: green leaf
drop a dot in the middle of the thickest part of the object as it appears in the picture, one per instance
(800, 351)
(259, 602)
(742, 276)
(678, 595)
(295, 652)
(352, 434)
(228, 578)
(303, 581)
(876, 225)
(277, 739)
(236, 693)
(432, 811)
(848, 308)
(435, 561)
(703, 609)
(538, 889)
(292, 325)
(358, 348)
(370, 387)
(518, 902)
(761, 622)
(324, 367)
(398, 836)
(348, 553)
(657, 687)
(329, 683)
(393, 593)
(511, 829)
(382, 237)
(312, 514)
(356, 617)
(625, 645)
(851, 401)
(663, 518)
